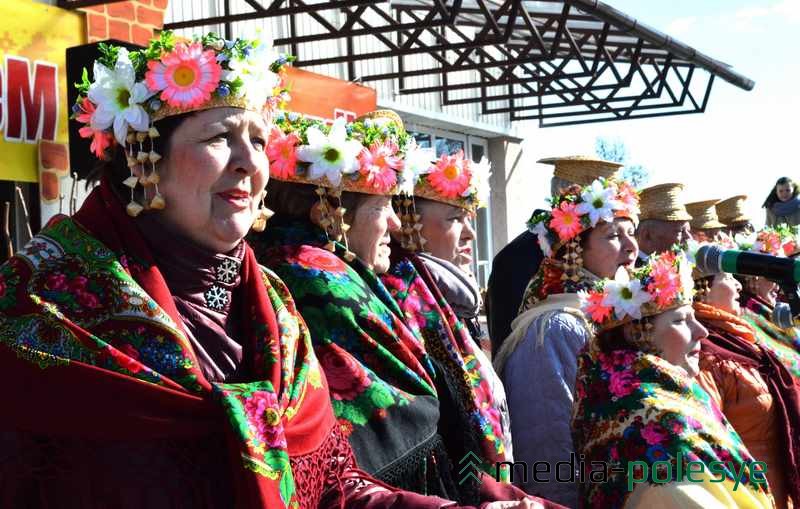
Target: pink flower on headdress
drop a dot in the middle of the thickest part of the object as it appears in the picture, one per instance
(629, 198)
(282, 154)
(450, 176)
(188, 75)
(593, 306)
(770, 243)
(379, 164)
(101, 140)
(566, 221)
(666, 281)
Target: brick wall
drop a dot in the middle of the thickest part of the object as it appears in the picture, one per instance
(131, 21)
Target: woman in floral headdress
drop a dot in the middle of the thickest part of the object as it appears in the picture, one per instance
(431, 280)
(147, 340)
(153, 362)
(648, 434)
(329, 241)
(589, 233)
(749, 383)
(759, 295)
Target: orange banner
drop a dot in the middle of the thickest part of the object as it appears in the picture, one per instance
(328, 98)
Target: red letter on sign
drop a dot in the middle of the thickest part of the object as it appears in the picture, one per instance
(35, 110)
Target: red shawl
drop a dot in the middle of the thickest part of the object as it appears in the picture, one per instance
(90, 369)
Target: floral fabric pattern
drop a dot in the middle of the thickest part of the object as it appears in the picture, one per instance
(636, 406)
(69, 301)
(375, 365)
(447, 339)
(770, 337)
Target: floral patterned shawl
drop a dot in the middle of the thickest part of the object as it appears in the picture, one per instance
(785, 344)
(635, 406)
(90, 331)
(447, 339)
(380, 376)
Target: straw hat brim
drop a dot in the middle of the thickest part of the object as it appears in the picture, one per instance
(708, 225)
(670, 215)
(734, 220)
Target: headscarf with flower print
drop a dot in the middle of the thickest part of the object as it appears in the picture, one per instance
(447, 340)
(104, 355)
(633, 406)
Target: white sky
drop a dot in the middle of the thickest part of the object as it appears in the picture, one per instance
(744, 141)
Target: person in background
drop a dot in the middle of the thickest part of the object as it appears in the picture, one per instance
(587, 235)
(331, 190)
(704, 224)
(783, 204)
(731, 213)
(751, 386)
(759, 295)
(663, 222)
(517, 263)
(431, 279)
(639, 409)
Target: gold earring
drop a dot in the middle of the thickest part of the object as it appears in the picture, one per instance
(262, 215)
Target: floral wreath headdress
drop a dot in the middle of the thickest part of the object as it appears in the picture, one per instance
(576, 210)
(664, 283)
(781, 240)
(365, 156)
(452, 179)
(130, 90)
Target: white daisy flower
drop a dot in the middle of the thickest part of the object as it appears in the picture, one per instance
(258, 80)
(417, 162)
(118, 98)
(479, 183)
(599, 203)
(330, 156)
(626, 298)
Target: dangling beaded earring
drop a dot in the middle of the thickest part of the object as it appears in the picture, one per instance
(262, 215)
(643, 336)
(333, 221)
(412, 238)
(157, 202)
(573, 261)
(133, 208)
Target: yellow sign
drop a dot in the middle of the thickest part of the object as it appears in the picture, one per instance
(33, 96)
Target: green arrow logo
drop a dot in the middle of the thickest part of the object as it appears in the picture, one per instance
(470, 468)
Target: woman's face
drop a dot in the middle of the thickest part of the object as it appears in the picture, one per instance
(368, 237)
(784, 191)
(677, 334)
(213, 174)
(724, 293)
(448, 232)
(610, 246)
(766, 289)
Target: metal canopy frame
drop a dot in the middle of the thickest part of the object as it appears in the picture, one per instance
(559, 62)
